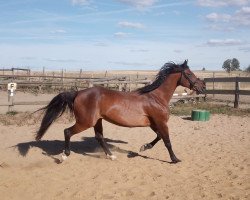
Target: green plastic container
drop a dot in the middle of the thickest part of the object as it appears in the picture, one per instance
(200, 115)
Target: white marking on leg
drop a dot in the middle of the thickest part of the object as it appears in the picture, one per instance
(146, 147)
(112, 157)
(63, 157)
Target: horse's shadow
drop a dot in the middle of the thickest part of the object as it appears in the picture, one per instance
(55, 147)
(87, 146)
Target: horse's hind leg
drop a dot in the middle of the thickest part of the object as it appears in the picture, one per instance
(69, 132)
(151, 144)
(99, 137)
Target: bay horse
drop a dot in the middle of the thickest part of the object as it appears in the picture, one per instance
(144, 107)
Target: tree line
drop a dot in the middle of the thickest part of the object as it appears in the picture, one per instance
(233, 65)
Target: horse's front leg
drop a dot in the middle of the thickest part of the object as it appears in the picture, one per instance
(163, 130)
(99, 137)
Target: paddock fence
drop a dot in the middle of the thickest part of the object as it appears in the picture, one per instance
(49, 81)
(237, 91)
(60, 82)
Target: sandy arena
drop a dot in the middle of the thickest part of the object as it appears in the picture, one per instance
(215, 162)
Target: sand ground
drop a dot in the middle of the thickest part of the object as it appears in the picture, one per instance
(215, 162)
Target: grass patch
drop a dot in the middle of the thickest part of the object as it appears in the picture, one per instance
(186, 109)
(29, 118)
(12, 113)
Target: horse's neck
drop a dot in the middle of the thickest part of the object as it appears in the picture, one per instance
(166, 90)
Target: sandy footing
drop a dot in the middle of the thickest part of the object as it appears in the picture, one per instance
(215, 163)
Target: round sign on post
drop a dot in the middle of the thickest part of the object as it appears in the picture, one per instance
(12, 86)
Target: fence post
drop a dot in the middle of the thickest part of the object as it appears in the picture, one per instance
(236, 100)
(28, 73)
(10, 99)
(120, 86)
(90, 85)
(137, 79)
(213, 82)
(11, 103)
(80, 74)
(62, 74)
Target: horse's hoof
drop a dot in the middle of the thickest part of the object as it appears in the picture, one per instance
(63, 157)
(145, 147)
(112, 157)
(142, 148)
(176, 160)
(66, 152)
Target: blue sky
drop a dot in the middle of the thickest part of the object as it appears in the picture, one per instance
(123, 34)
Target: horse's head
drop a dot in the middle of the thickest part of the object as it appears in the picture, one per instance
(189, 80)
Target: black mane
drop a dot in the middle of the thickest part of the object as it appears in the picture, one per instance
(166, 69)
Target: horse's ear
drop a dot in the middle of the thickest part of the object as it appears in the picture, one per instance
(185, 63)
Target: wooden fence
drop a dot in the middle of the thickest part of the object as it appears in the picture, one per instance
(46, 82)
(236, 92)
(119, 83)
(64, 82)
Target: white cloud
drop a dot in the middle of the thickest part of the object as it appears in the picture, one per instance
(58, 31)
(226, 42)
(135, 25)
(60, 60)
(28, 58)
(215, 17)
(80, 2)
(139, 50)
(239, 18)
(242, 16)
(244, 11)
(100, 44)
(124, 63)
(220, 3)
(178, 51)
(139, 3)
(121, 35)
(176, 12)
(245, 49)
(219, 27)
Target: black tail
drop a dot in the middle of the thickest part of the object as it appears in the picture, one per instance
(55, 109)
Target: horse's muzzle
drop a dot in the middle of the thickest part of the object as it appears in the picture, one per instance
(200, 87)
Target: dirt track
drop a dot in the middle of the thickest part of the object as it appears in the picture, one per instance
(215, 163)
